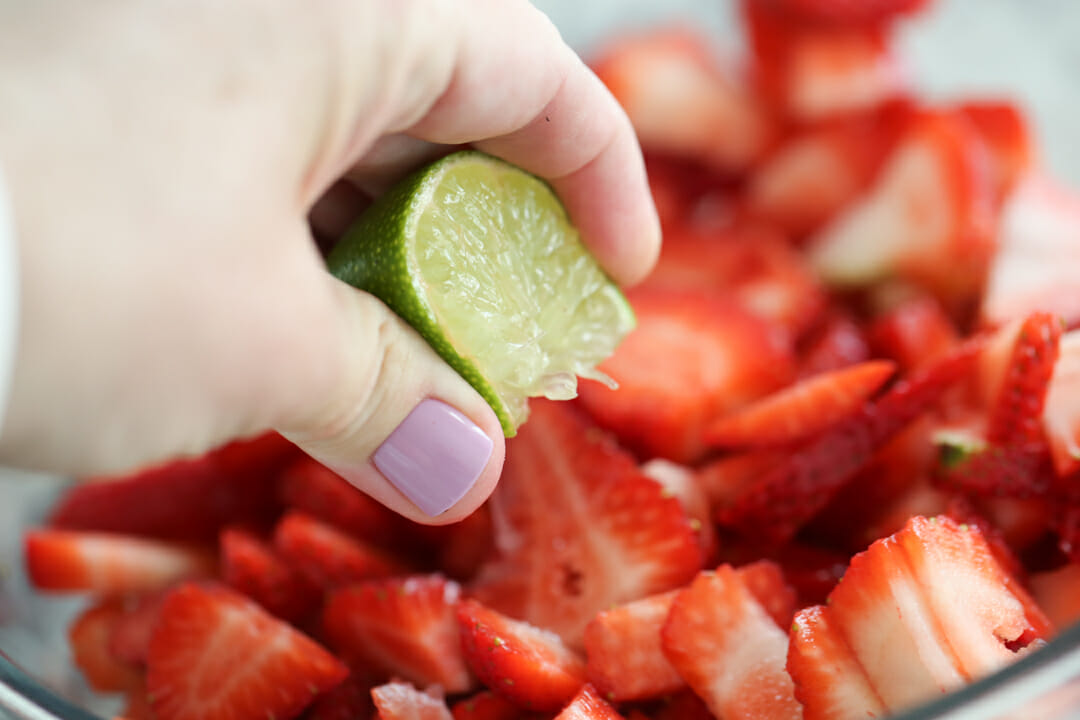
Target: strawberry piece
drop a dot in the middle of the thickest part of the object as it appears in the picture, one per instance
(682, 100)
(136, 704)
(624, 658)
(184, 500)
(934, 594)
(765, 581)
(685, 705)
(403, 626)
(839, 342)
(485, 705)
(1004, 130)
(717, 357)
(1038, 255)
(799, 485)
(728, 649)
(207, 635)
(71, 561)
(805, 408)
(461, 548)
(1061, 408)
(251, 566)
(1057, 592)
(682, 483)
(928, 218)
(829, 681)
(89, 636)
(525, 664)
(914, 333)
(402, 701)
(849, 12)
(588, 705)
(329, 557)
(579, 528)
(349, 700)
(131, 633)
(312, 488)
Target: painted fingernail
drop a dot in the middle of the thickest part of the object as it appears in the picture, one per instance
(434, 456)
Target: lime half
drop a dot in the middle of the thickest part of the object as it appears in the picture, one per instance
(480, 258)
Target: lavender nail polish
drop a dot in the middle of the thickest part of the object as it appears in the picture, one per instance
(434, 456)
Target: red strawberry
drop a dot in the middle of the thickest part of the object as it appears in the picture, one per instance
(839, 342)
(785, 497)
(1004, 129)
(89, 636)
(314, 489)
(251, 566)
(131, 633)
(485, 705)
(716, 357)
(765, 581)
(71, 561)
(527, 665)
(215, 655)
(848, 12)
(1057, 592)
(350, 700)
(136, 704)
(728, 649)
(803, 409)
(684, 705)
(327, 556)
(1038, 255)
(1061, 409)
(682, 482)
(186, 500)
(402, 701)
(682, 100)
(937, 598)
(624, 658)
(729, 477)
(579, 528)
(934, 189)
(913, 333)
(461, 547)
(588, 705)
(403, 626)
(829, 681)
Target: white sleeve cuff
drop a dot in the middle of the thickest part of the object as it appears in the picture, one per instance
(9, 299)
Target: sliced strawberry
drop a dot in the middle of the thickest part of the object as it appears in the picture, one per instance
(728, 649)
(136, 704)
(460, 548)
(485, 705)
(317, 491)
(527, 665)
(1057, 592)
(131, 633)
(624, 658)
(250, 565)
(729, 477)
(1061, 409)
(215, 655)
(402, 701)
(839, 342)
(849, 12)
(350, 700)
(1004, 129)
(915, 332)
(329, 557)
(185, 500)
(765, 581)
(588, 705)
(803, 409)
(785, 497)
(72, 561)
(403, 626)
(682, 100)
(684, 705)
(716, 357)
(682, 482)
(829, 681)
(579, 528)
(928, 218)
(89, 636)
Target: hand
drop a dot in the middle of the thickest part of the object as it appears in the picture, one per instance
(163, 160)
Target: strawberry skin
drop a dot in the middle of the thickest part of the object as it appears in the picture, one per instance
(529, 666)
(215, 655)
(329, 557)
(716, 357)
(73, 561)
(1061, 409)
(728, 649)
(579, 527)
(802, 409)
(404, 626)
(485, 705)
(588, 705)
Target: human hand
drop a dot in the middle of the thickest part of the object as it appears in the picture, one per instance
(163, 160)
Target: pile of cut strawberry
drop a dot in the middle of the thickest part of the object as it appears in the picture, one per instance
(855, 361)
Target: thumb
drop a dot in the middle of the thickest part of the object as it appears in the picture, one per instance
(399, 423)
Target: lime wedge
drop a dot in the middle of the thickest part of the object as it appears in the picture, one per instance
(480, 258)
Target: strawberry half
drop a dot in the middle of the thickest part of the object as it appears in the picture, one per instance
(72, 561)
(403, 626)
(329, 557)
(588, 705)
(402, 701)
(728, 649)
(803, 409)
(716, 357)
(215, 655)
(527, 665)
(579, 527)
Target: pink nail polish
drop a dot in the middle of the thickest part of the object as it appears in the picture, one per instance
(434, 456)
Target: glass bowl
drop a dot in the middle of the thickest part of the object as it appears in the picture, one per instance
(1022, 50)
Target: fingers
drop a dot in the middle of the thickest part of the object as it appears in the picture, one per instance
(396, 421)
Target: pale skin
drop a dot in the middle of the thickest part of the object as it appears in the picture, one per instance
(166, 163)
